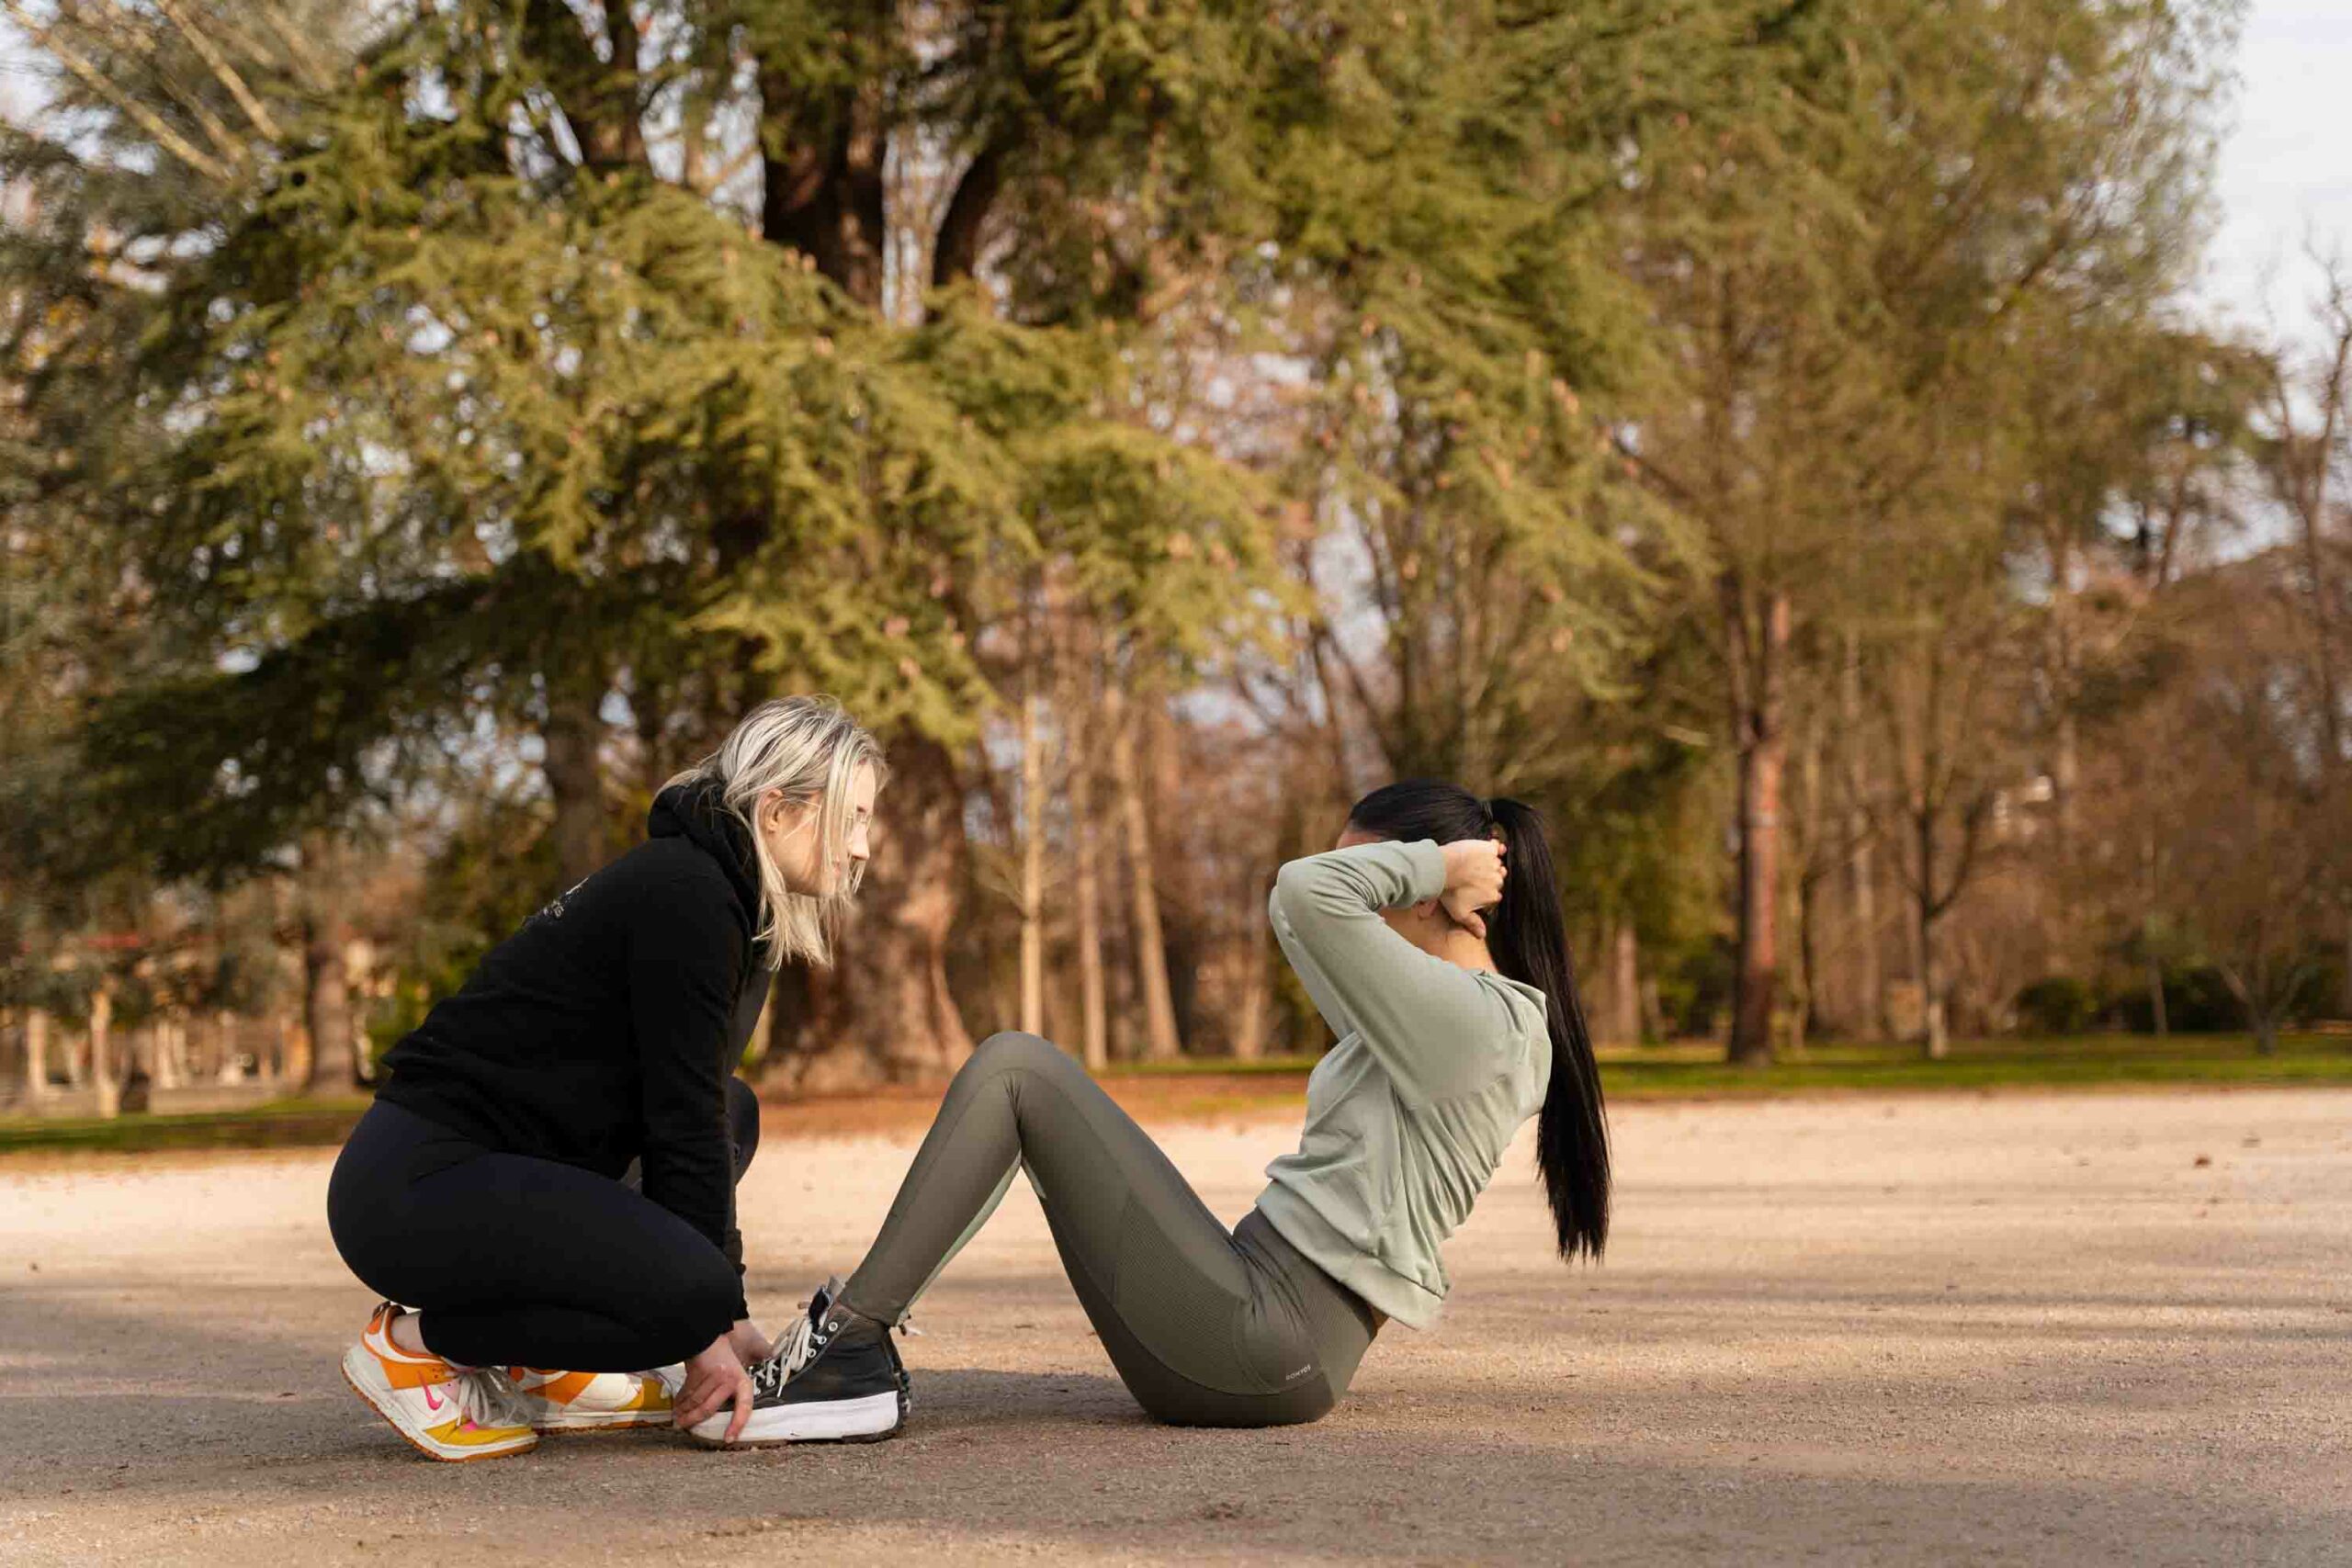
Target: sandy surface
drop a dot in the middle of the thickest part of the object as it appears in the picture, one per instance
(2026, 1329)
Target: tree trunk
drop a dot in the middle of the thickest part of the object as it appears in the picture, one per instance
(571, 739)
(1032, 865)
(1257, 1001)
(36, 1057)
(826, 196)
(326, 994)
(290, 1048)
(102, 1069)
(1249, 1026)
(1931, 992)
(2151, 959)
(1151, 951)
(1086, 848)
(883, 1012)
(1862, 871)
(171, 1054)
(2066, 750)
(1624, 985)
(226, 1067)
(1762, 761)
(1802, 993)
(140, 1052)
(2344, 994)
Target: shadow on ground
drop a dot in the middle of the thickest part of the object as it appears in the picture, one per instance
(240, 1427)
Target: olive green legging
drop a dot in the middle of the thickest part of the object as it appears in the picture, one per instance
(1207, 1328)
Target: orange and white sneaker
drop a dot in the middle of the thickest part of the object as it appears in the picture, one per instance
(445, 1411)
(589, 1402)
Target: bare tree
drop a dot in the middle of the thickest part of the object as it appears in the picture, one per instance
(2304, 453)
(2251, 822)
(1944, 682)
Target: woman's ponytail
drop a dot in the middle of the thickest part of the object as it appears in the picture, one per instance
(1529, 943)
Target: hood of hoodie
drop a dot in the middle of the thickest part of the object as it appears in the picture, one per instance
(698, 813)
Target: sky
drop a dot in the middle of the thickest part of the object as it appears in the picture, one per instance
(2286, 165)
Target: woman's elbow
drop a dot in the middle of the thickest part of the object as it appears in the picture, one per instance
(1294, 887)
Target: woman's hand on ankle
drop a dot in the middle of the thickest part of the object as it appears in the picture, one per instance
(749, 1344)
(714, 1377)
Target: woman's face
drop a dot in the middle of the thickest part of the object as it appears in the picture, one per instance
(790, 828)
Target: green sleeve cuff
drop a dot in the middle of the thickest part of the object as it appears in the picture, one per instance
(1427, 868)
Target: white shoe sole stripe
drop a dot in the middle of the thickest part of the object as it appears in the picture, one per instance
(599, 1421)
(817, 1422)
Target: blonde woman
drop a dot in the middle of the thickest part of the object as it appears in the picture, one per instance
(485, 1187)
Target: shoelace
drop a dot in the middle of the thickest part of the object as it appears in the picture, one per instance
(800, 1346)
(488, 1399)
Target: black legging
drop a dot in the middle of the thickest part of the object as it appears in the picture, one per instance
(1207, 1328)
(516, 1262)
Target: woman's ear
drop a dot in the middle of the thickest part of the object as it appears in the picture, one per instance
(775, 813)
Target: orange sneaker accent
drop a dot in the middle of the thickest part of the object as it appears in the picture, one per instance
(559, 1401)
(560, 1387)
(438, 1409)
(401, 1369)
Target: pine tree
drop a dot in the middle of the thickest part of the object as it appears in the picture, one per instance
(480, 416)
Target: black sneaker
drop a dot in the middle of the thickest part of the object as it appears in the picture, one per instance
(836, 1379)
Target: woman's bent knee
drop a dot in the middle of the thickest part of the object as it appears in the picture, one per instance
(1010, 1048)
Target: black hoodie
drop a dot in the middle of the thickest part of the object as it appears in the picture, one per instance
(605, 1028)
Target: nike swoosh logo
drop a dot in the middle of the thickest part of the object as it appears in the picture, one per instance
(432, 1400)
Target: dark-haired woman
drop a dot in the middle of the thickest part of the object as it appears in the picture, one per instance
(1431, 939)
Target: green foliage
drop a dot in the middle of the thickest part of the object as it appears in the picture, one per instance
(452, 414)
(391, 416)
(2197, 1001)
(2056, 1004)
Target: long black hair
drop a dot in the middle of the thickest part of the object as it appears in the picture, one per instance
(1529, 943)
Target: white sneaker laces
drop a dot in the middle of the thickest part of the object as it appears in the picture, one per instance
(801, 1344)
(488, 1398)
(800, 1348)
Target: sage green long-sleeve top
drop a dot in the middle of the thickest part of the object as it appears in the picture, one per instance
(1409, 1114)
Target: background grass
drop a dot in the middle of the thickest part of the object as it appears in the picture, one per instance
(1211, 1087)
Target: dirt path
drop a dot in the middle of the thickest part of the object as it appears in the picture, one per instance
(2027, 1329)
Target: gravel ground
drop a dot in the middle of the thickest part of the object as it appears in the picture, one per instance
(2066, 1329)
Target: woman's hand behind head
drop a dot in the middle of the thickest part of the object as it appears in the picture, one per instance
(1475, 873)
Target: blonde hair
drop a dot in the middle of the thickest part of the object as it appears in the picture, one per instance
(809, 748)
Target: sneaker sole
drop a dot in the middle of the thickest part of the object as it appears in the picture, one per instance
(612, 1421)
(876, 1418)
(356, 1377)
